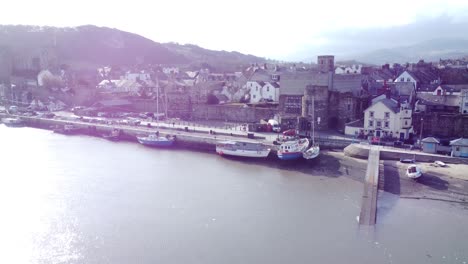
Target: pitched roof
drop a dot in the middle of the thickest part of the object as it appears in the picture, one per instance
(391, 104)
(347, 83)
(430, 140)
(430, 99)
(459, 142)
(295, 83)
(275, 84)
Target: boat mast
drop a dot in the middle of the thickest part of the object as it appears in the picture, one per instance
(313, 120)
(157, 101)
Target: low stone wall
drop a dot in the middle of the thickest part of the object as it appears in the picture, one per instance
(362, 152)
(232, 113)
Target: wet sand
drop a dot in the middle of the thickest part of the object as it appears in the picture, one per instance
(445, 184)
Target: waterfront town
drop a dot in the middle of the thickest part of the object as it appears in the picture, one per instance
(422, 104)
(346, 141)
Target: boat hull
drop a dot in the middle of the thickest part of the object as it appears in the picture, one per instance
(12, 122)
(244, 153)
(289, 155)
(311, 153)
(155, 143)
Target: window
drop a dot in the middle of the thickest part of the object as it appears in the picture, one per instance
(379, 123)
(408, 79)
(402, 79)
(371, 114)
(406, 123)
(256, 88)
(254, 96)
(268, 88)
(387, 114)
(349, 107)
(371, 123)
(387, 124)
(457, 149)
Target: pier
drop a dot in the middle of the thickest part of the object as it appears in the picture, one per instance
(369, 197)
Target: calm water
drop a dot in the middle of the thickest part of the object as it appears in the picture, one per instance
(72, 199)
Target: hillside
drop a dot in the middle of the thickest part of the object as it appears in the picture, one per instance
(91, 46)
(431, 50)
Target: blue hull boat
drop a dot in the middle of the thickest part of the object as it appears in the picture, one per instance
(294, 149)
(156, 141)
(290, 155)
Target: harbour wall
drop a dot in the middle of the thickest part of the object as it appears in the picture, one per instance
(362, 152)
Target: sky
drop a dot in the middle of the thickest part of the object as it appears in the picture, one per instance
(282, 30)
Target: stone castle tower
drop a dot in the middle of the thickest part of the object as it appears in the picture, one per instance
(326, 63)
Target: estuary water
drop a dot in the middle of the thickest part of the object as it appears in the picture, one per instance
(79, 199)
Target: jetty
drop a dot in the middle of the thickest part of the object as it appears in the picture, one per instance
(368, 213)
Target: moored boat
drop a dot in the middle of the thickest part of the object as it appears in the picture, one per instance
(12, 122)
(293, 149)
(114, 135)
(67, 129)
(413, 171)
(312, 152)
(154, 140)
(242, 149)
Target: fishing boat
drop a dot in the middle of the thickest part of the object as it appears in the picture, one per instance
(12, 122)
(67, 129)
(154, 140)
(114, 135)
(290, 150)
(242, 149)
(413, 171)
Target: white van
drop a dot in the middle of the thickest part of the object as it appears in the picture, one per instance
(275, 125)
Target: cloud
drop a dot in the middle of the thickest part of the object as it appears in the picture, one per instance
(347, 42)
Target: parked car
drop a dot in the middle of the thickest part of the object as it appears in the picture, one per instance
(289, 132)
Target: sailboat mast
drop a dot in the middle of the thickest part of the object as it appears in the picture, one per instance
(313, 120)
(157, 101)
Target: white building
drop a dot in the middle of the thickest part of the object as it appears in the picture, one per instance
(137, 76)
(263, 91)
(354, 69)
(406, 76)
(386, 118)
(170, 70)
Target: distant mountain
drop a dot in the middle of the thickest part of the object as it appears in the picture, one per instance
(220, 59)
(91, 46)
(431, 50)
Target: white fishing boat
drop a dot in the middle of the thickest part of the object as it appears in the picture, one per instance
(12, 122)
(242, 149)
(154, 140)
(293, 149)
(413, 171)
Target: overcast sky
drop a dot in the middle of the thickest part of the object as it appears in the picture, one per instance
(273, 29)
